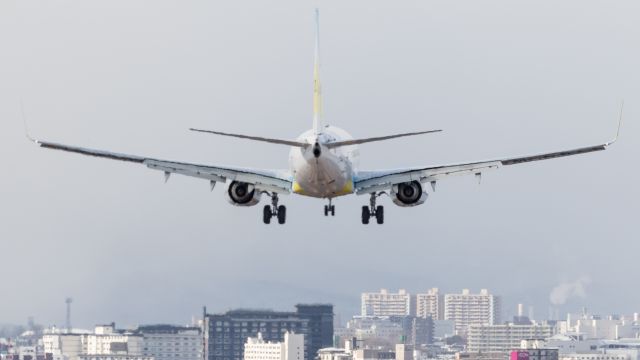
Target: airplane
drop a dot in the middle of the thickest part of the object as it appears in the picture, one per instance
(323, 163)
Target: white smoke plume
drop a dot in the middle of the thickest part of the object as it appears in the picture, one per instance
(564, 291)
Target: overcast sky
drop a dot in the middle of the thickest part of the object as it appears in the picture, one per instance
(501, 77)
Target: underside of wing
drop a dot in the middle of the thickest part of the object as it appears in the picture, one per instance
(277, 181)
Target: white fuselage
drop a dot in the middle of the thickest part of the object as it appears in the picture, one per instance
(331, 173)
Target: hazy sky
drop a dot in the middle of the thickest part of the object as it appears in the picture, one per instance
(501, 77)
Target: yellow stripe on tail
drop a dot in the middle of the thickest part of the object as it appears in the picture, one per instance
(317, 88)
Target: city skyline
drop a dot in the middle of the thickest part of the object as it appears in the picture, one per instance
(574, 303)
(498, 78)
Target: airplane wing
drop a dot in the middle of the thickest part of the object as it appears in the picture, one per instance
(267, 180)
(373, 181)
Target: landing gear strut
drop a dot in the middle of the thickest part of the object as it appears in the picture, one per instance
(330, 209)
(373, 211)
(274, 210)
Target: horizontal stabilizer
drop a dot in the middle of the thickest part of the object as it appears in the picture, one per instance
(256, 138)
(379, 138)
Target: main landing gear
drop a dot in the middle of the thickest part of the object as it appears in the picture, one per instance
(373, 211)
(274, 210)
(329, 209)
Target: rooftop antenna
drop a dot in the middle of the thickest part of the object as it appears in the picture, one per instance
(68, 301)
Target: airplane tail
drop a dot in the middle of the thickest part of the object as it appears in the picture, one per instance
(318, 124)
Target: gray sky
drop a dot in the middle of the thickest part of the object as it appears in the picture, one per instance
(501, 77)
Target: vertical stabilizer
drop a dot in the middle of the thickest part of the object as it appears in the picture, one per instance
(317, 88)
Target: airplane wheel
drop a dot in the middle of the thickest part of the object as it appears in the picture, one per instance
(380, 214)
(333, 210)
(266, 214)
(365, 215)
(282, 214)
(326, 210)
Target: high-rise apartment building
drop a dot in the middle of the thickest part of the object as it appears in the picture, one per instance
(467, 309)
(430, 304)
(384, 303)
(225, 334)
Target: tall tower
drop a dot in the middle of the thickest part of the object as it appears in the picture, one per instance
(68, 301)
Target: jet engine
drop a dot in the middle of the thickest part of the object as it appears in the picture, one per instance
(408, 194)
(242, 194)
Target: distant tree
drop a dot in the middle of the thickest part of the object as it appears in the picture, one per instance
(455, 340)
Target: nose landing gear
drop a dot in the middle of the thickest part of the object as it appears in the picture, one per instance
(329, 209)
(373, 211)
(274, 210)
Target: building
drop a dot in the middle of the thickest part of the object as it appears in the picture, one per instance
(504, 338)
(333, 353)
(534, 354)
(225, 334)
(384, 303)
(108, 341)
(472, 309)
(430, 304)
(24, 353)
(373, 354)
(572, 344)
(292, 348)
(104, 343)
(386, 331)
(417, 331)
(170, 342)
(59, 345)
(443, 328)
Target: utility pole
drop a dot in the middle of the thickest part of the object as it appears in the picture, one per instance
(68, 301)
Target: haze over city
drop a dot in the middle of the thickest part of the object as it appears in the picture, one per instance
(498, 77)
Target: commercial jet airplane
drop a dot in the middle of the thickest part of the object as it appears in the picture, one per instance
(323, 163)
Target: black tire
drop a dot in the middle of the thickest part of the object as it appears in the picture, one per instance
(282, 214)
(333, 210)
(267, 214)
(365, 215)
(380, 214)
(326, 210)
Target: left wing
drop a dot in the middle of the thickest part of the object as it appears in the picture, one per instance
(267, 180)
(373, 181)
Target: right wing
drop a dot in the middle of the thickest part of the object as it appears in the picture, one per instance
(374, 181)
(267, 180)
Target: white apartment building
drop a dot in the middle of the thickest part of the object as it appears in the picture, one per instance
(467, 309)
(431, 304)
(169, 342)
(105, 343)
(291, 349)
(384, 303)
(67, 346)
(505, 337)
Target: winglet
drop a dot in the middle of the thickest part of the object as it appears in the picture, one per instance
(619, 125)
(26, 127)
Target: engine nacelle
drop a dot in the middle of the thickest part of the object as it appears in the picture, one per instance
(408, 194)
(242, 194)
